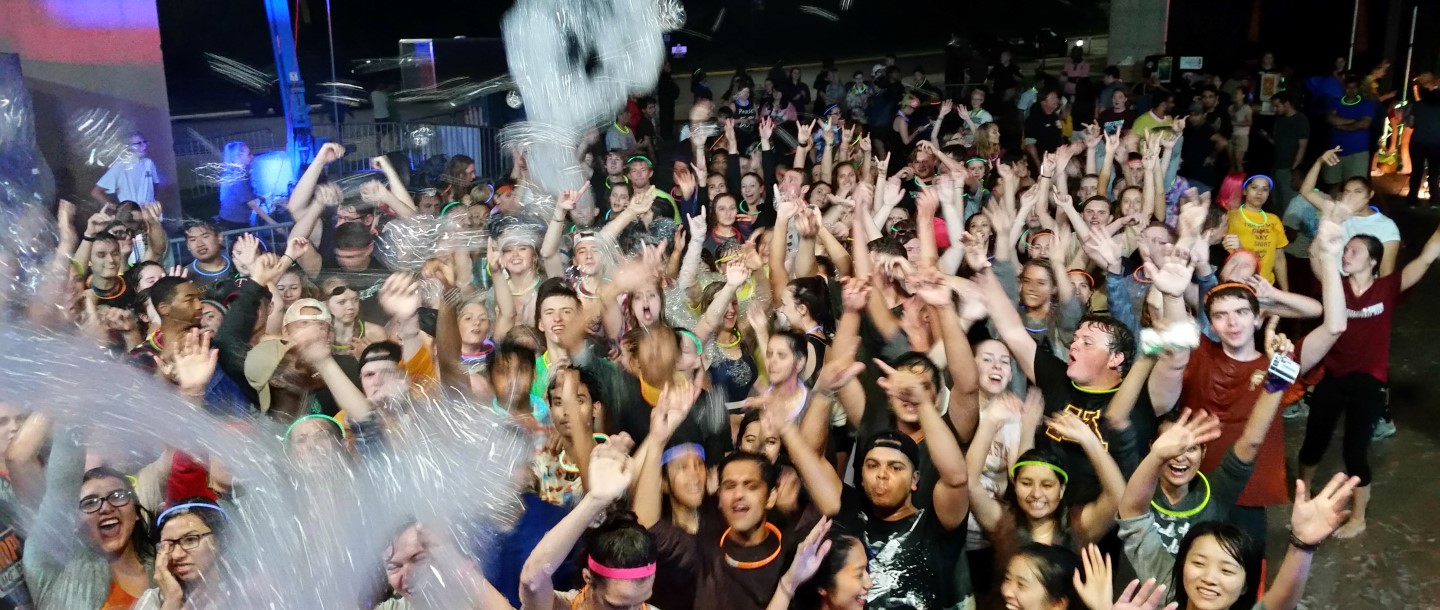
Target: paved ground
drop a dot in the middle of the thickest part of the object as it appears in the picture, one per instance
(1394, 564)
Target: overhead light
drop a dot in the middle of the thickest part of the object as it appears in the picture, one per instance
(1080, 43)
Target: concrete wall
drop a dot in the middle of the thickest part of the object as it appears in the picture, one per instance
(82, 55)
(1137, 29)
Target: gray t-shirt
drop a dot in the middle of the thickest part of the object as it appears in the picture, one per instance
(1152, 540)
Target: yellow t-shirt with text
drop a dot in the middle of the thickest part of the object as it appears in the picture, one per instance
(1261, 233)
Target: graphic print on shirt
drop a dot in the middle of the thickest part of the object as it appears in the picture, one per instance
(1372, 311)
(1091, 418)
(899, 574)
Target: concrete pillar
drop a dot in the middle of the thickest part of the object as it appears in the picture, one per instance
(83, 56)
(1137, 29)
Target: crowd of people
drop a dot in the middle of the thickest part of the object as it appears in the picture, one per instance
(841, 346)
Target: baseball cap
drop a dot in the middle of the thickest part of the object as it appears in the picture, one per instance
(897, 440)
(877, 68)
(260, 365)
(298, 311)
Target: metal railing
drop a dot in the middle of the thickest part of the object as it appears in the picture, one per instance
(272, 239)
(197, 159)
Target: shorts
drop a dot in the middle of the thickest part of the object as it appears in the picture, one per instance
(1350, 166)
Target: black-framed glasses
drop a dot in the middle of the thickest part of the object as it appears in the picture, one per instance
(117, 499)
(188, 542)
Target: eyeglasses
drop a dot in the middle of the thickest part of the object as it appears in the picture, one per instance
(117, 499)
(188, 542)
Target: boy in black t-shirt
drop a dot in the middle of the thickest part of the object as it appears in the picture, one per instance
(913, 551)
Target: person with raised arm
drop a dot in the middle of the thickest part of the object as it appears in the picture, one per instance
(1220, 376)
(620, 555)
(1357, 367)
(1219, 566)
(733, 561)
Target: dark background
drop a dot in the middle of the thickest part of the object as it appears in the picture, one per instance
(753, 33)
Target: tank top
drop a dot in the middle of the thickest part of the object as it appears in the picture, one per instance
(745, 116)
(732, 378)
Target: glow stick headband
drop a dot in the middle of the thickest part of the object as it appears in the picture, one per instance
(619, 573)
(1252, 179)
(179, 507)
(1064, 476)
(682, 450)
(315, 416)
(1210, 294)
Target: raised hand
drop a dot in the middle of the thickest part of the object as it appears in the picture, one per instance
(804, 132)
(767, 128)
(684, 180)
(1331, 157)
(855, 293)
(736, 273)
(1071, 427)
(569, 198)
(266, 269)
(330, 153)
(1093, 579)
(904, 385)
(1193, 428)
(246, 248)
(1103, 250)
(611, 470)
(328, 195)
(698, 225)
(400, 296)
(1265, 292)
(99, 220)
(1172, 275)
(809, 556)
(296, 247)
(1093, 135)
(194, 362)
(1314, 519)
(372, 192)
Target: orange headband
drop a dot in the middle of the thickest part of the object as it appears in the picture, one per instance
(1038, 234)
(1088, 277)
(504, 188)
(1211, 293)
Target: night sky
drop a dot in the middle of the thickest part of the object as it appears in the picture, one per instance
(771, 30)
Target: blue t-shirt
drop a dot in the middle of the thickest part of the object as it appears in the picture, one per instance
(504, 556)
(1352, 142)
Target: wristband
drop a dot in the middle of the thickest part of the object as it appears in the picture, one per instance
(1301, 545)
(88, 237)
(292, 259)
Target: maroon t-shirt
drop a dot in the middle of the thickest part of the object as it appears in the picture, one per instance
(1228, 389)
(1364, 347)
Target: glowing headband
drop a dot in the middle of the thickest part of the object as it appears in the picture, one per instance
(829, 108)
(1252, 179)
(1064, 476)
(620, 573)
(316, 416)
(161, 519)
(1038, 234)
(682, 450)
(448, 206)
(1088, 278)
(980, 159)
(504, 188)
(1227, 285)
(640, 158)
(699, 347)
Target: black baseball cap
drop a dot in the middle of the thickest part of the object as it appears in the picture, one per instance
(897, 440)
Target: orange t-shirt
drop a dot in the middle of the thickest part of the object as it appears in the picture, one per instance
(118, 598)
(1228, 389)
